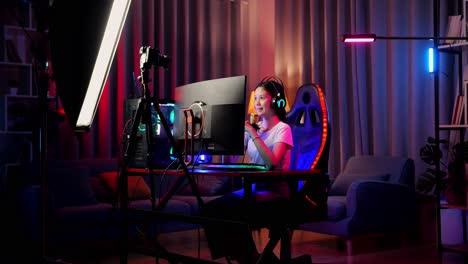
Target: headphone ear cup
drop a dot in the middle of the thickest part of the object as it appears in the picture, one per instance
(273, 102)
(281, 103)
(278, 102)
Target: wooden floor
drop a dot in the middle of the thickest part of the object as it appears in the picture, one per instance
(322, 248)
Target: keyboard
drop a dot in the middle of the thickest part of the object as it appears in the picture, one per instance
(231, 166)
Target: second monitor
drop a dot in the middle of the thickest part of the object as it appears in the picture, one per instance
(218, 108)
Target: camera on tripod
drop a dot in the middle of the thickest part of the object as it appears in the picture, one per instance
(150, 56)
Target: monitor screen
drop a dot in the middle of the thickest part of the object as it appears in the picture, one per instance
(218, 108)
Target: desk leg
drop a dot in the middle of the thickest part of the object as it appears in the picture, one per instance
(124, 241)
(270, 246)
(285, 250)
(247, 188)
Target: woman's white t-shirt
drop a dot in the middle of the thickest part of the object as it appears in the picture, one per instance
(281, 132)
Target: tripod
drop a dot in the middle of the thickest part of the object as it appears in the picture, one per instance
(148, 57)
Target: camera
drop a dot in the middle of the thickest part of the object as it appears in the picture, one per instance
(150, 56)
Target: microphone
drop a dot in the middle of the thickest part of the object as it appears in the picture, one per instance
(253, 121)
(255, 126)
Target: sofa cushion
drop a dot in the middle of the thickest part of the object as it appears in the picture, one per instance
(208, 186)
(71, 187)
(99, 213)
(101, 191)
(137, 187)
(336, 208)
(193, 202)
(163, 224)
(172, 206)
(343, 181)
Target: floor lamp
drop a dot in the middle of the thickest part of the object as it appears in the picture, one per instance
(370, 38)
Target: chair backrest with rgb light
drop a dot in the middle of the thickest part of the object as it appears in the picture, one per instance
(310, 124)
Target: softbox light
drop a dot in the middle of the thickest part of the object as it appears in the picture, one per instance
(84, 35)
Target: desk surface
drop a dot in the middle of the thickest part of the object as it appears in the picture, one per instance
(245, 174)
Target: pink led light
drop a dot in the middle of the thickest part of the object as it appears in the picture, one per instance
(359, 40)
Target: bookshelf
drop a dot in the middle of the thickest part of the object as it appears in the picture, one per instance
(15, 75)
(19, 102)
(456, 27)
(458, 124)
(19, 40)
(18, 43)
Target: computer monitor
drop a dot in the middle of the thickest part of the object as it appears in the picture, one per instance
(218, 108)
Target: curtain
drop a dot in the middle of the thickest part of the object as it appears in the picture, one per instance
(380, 96)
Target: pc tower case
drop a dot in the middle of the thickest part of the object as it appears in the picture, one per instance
(162, 149)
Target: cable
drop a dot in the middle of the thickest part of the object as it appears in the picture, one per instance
(243, 157)
(124, 134)
(163, 176)
(196, 182)
(135, 85)
(195, 161)
(124, 141)
(199, 241)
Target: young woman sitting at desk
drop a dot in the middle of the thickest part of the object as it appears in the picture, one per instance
(270, 145)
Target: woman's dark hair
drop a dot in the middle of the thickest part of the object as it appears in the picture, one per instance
(273, 86)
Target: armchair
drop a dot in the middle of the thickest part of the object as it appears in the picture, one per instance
(373, 194)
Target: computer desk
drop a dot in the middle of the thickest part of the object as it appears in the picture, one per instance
(248, 177)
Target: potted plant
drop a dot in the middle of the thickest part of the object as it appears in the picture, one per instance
(451, 176)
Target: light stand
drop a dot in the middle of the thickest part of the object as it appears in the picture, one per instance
(42, 81)
(43, 108)
(366, 38)
(148, 57)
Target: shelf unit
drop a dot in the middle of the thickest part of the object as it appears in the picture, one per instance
(19, 101)
(460, 49)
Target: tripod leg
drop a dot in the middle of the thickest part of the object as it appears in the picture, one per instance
(122, 186)
(285, 253)
(147, 119)
(179, 180)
